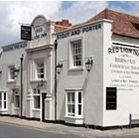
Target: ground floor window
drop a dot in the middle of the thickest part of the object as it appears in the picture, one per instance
(3, 101)
(111, 98)
(74, 104)
(16, 99)
(36, 98)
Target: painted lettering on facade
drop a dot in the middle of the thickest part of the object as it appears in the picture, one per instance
(124, 68)
(39, 32)
(78, 31)
(14, 46)
(116, 49)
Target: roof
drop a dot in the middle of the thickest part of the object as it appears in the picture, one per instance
(123, 23)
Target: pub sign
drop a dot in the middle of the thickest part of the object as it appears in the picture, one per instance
(25, 32)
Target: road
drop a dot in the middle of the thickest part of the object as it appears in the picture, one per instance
(9, 130)
(15, 131)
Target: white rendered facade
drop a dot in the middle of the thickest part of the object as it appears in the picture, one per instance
(82, 96)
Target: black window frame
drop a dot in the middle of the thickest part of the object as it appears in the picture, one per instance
(111, 98)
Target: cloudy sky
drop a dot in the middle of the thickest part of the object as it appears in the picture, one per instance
(15, 13)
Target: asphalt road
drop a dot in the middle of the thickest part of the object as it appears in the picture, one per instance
(15, 131)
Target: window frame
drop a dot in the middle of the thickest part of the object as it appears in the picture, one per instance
(3, 101)
(16, 103)
(70, 54)
(111, 94)
(9, 73)
(75, 103)
(37, 74)
(36, 93)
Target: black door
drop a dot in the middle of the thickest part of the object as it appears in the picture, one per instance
(43, 106)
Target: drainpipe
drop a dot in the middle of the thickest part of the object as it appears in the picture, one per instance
(21, 97)
(55, 44)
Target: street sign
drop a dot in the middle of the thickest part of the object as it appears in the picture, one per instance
(25, 32)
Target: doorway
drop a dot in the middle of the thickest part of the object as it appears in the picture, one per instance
(43, 106)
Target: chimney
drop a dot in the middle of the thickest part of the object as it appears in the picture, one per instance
(64, 22)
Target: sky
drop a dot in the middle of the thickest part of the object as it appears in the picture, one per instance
(15, 13)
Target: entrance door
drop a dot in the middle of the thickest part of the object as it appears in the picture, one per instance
(43, 106)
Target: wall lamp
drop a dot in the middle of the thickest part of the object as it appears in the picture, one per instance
(89, 64)
(40, 83)
(59, 67)
(16, 71)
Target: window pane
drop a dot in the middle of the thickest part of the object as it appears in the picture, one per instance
(79, 97)
(12, 73)
(17, 101)
(0, 104)
(37, 102)
(4, 96)
(38, 91)
(79, 109)
(34, 91)
(73, 108)
(68, 97)
(42, 76)
(0, 96)
(73, 97)
(4, 104)
(71, 103)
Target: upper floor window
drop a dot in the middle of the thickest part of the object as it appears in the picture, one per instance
(76, 53)
(40, 70)
(11, 73)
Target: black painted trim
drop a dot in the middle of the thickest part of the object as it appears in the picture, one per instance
(131, 46)
(136, 38)
(75, 125)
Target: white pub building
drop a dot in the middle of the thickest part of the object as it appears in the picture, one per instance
(86, 74)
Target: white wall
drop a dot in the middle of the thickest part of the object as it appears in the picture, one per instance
(127, 92)
(12, 58)
(91, 82)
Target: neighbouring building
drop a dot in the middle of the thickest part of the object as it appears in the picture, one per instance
(89, 76)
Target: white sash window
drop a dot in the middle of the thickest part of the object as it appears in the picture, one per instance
(74, 104)
(11, 73)
(76, 52)
(3, 101)
(36, 97)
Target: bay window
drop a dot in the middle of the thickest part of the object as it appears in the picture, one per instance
(74, 104)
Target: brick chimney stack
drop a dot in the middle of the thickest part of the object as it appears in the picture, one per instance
(64, 22)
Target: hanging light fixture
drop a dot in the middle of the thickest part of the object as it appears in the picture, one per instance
(59, 67)
(89, 64)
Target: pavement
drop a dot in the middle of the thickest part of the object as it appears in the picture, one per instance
(60, 128)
